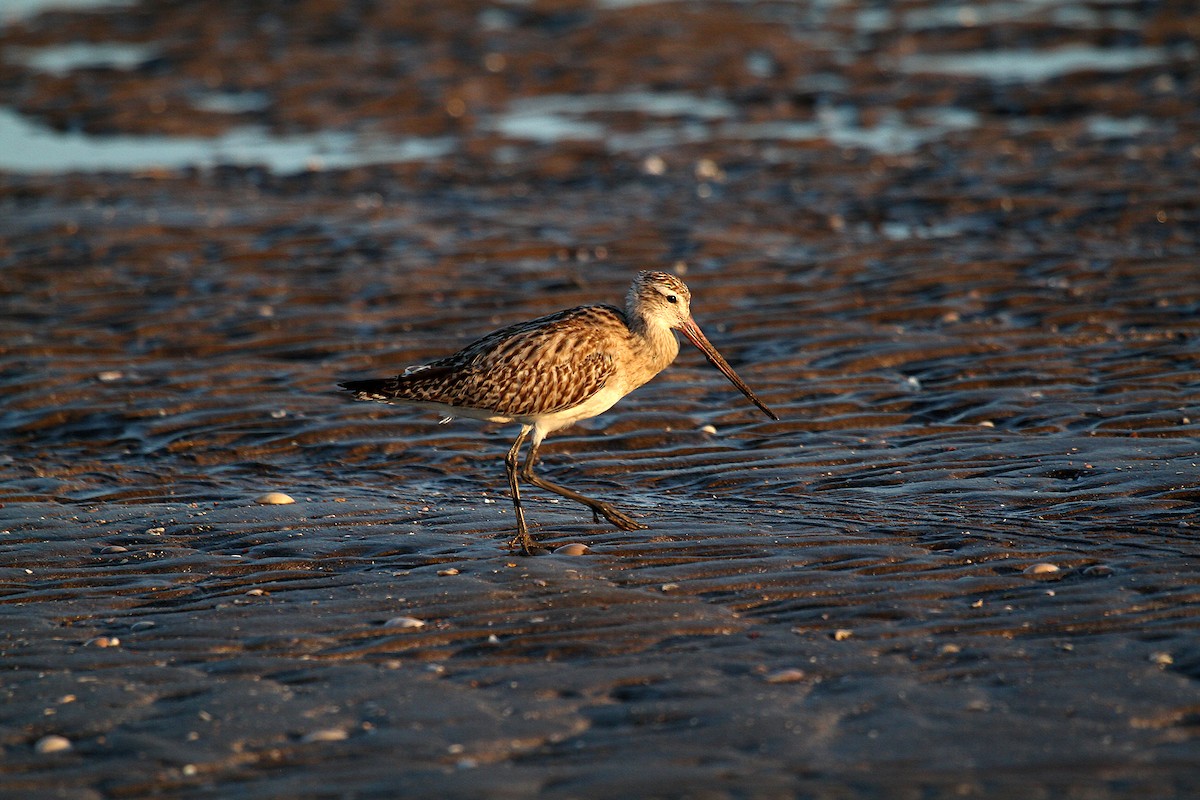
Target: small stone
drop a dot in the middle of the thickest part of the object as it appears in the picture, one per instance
(709, 429)
(256, 592)
(708, 170)
(156, 531)
(654, 165)
(326, 735)
(52, 744)
(790, 675)
(114, 548)
(1162, 659)
(274, 499)
(1099, 571)
(143, 625)
(842, 634)
(405, 623)
(448, 571)
(110, 375)
(1042, 568)
(572, 549)
(667, 587)
(103, 641)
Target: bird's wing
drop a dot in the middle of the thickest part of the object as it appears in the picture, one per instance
(531, 368)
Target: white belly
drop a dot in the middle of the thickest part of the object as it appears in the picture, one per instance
(598, 403)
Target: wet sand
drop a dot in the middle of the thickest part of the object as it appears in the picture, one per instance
(962, 564)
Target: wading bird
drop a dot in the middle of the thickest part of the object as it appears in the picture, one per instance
(555, 370)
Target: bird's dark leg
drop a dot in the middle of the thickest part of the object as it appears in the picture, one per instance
(511, 462)
(622, 521)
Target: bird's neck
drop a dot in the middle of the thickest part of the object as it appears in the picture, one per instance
(657, 343)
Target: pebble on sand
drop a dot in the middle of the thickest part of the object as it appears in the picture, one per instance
(407, 623)
(103, 641)
(274, 499)
(1043, 568)
(448, 571)
(791, 675)
(326, 735)
(52, 744)
(572, 549)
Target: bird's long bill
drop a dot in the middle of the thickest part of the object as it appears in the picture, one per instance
(694, 335)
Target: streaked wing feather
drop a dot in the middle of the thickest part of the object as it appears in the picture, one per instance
(530, 368)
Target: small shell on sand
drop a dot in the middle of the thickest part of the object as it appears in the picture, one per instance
(572, 549)
(408, 623)
(448, 571)
(326, 735)
(103, 641)
(842, 634)
(52, 744)
(274, 499)
(791, 675)
(1043, 568)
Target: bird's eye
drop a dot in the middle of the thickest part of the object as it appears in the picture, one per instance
(672, 298)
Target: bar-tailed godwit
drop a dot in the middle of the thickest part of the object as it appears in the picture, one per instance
(553, 371)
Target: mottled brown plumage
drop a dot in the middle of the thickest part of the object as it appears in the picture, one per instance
(556, 370)
(527, 369)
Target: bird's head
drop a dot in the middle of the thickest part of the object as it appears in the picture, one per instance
(660, 300)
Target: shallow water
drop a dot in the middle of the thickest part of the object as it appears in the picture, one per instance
(982, 345)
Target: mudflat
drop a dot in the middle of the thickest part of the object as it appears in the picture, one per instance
(955, 248)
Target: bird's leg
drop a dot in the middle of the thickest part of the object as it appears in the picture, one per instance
(511, 462)
(622, 521)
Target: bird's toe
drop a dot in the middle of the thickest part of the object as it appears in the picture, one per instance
(623, 521)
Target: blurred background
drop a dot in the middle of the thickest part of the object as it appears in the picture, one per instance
(954, 245)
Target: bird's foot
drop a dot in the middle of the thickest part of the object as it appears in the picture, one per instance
(525, 543)
(622, 521)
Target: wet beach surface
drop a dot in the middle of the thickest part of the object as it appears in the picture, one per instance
(955, 247)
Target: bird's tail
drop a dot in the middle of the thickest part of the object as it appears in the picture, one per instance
(371, 389)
